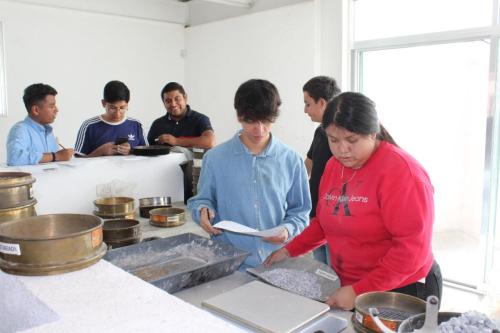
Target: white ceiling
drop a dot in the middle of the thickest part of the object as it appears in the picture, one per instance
(185, 12)
(204, 11)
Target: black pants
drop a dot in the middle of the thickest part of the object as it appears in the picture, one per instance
(187, 170)
(433, 285)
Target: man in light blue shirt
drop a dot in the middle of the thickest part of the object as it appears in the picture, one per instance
(253, 179)
(32, 140)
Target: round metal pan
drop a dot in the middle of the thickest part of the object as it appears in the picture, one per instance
(123, 242)
(153, 150)
(416, 322)
(129, 216)
(155, 201)
(16, 189)
(10, 214)
(393, 309)
(167, 217)
(120, 229)
(147, 204)
(114, 206)
(50, 244)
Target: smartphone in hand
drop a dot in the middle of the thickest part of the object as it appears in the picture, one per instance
(119, 141)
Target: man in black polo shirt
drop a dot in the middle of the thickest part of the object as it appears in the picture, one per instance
(318, 91)
(181, 126)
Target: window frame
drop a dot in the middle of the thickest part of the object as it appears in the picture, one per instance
(491, 115)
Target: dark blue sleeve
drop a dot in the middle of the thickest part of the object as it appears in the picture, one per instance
(140, 135)
(204, 124)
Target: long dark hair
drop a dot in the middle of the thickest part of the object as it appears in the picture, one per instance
(356, 113)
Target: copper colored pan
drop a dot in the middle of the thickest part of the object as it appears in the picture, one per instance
(167, 217)
(15, 213)
(114, 206)
(50, 244)
(393, 309)
(16, 189)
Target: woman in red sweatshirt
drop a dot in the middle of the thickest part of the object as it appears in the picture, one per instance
(375, 209)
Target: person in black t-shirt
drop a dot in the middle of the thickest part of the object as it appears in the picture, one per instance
(318, 91)
(181, 126)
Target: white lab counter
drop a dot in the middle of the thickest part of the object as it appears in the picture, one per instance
(100, 298)
(70, 187)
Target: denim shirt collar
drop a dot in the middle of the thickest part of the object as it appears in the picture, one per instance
(46, 129)
(240, 148)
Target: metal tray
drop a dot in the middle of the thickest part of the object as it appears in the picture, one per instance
(153, 150)
(178, 262)
(326, 278)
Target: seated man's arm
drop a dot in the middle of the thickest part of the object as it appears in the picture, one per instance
(206, 140)
(19, 148)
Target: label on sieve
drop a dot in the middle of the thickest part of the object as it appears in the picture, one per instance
(359, 317)
(326, 275)
(8, 248)
(96, 238)
(31, 193)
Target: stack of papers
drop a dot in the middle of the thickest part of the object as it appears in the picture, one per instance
(243, 229)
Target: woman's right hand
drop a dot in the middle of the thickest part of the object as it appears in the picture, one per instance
(276, 256)
(207, 215)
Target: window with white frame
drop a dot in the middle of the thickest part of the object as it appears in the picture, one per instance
(431, 68)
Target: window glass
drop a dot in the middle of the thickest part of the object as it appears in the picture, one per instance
(389, 18)
(433, 101)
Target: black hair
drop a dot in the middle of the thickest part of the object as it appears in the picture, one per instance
(171, 86)
(356, 113)
(257, 100)
(115, 91)
(36, 93)
(321, 87)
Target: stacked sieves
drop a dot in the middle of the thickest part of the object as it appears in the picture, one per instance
(120, 228)
(115, 208)
(16, 196)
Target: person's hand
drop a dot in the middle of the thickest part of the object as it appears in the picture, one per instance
(123, 149)
(167, 139)
(276, 256)
(106, 149)
(279, 239)
(207, 215)
(342, 298)
(64, 154)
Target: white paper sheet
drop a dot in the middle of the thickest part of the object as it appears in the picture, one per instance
(243, 229)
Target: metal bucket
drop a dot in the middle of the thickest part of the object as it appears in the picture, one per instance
(16, 189)
(393, 309)
(50, 244)
(15, 213)
(114, 206)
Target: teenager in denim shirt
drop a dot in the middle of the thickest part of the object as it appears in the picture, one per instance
(253, 179)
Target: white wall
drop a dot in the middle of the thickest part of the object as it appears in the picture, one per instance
(77, 52)
(277, 45)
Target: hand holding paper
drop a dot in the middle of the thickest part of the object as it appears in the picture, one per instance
(243, 229)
